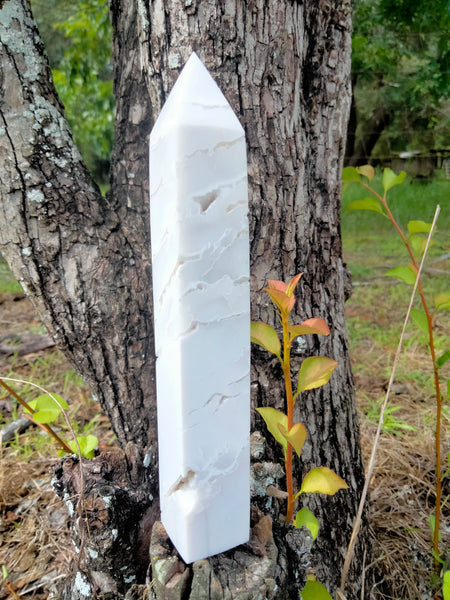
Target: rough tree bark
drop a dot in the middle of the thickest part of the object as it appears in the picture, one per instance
(285, 68)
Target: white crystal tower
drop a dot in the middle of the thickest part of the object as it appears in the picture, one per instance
(200, 254)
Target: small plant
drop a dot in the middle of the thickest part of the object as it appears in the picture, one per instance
(46, 409)
(415, 245)
(314, 372)
(391, 423)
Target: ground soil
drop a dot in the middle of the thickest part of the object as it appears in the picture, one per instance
(34, 542)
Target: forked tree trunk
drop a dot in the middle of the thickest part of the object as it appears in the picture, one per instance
(284, 66)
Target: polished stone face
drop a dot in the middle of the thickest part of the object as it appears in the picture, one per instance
(200, 250)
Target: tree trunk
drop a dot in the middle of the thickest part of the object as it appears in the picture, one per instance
(284, 66)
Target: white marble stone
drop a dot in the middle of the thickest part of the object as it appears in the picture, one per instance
(200, 256)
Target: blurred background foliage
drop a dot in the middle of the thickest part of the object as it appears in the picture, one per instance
(400, 76)
(77, 35)
(401, 79)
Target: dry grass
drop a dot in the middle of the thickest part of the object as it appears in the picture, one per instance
(403, 483)
(35, 544)
(401, 500)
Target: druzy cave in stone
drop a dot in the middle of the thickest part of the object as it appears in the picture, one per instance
(200, 262)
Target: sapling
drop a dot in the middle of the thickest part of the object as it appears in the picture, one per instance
(371, 464)
(415, 244)
(314, 372)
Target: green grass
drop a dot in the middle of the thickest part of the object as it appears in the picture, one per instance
(8, 283)
(391, 422)
(45, 369)
(370, 242)
(409, 201)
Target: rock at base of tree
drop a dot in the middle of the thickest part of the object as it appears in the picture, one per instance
(246, 572)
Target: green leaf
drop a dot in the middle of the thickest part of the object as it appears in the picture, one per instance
(322, 480)
(317, 326)
(46, 416)
(264, 335)
(366, 170)
(419, 319)
(5, 572)
(350, 175)
(272, 419)
(47, 410)
(390, 179)
(437, 557)
(359, 42)
(88, 98)
(315, 372)
(443, 359)
(432, 523)
(305, 518)
(296, 436)
(87, 443)
(365, 204)
(406, 274)
(47, 401)
(314, 590)
(418, 227)
(31, 404)
(418, 244)
(446, 585)
(442, 301)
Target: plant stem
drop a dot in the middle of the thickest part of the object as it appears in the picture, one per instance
(10, 590)
(290, 417)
